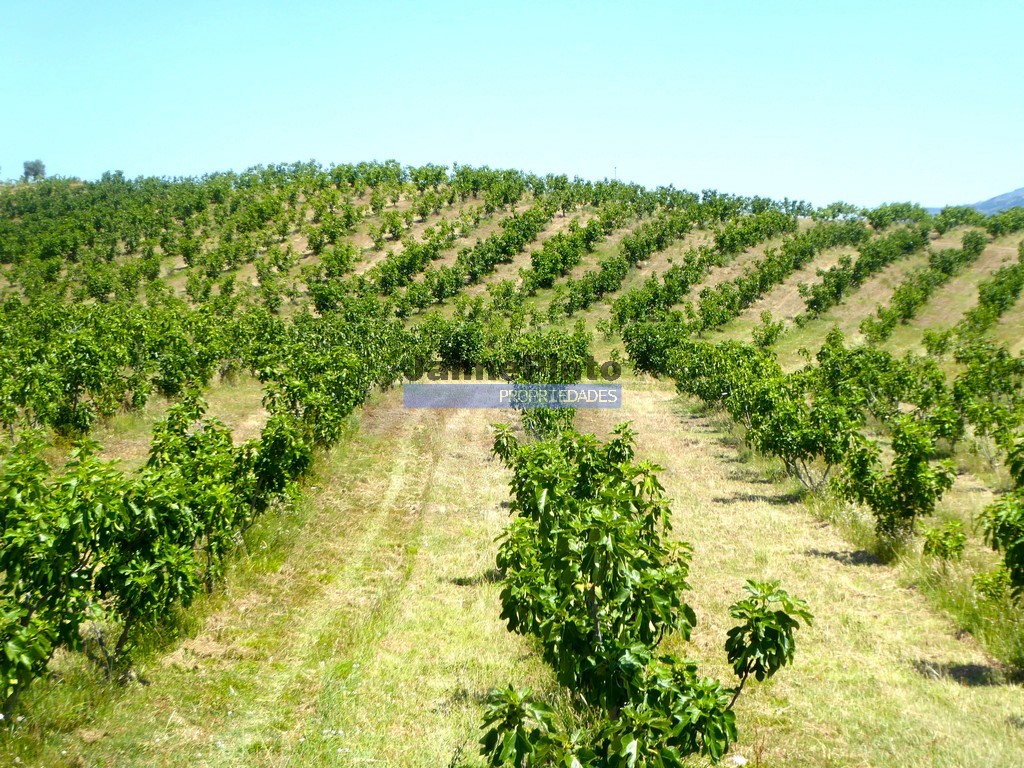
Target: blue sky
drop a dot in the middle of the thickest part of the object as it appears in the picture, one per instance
(865, 102)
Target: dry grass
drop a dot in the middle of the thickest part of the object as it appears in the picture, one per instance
(949, 303)
(881, 678)
(237, 403)
(361, 627)
(510, 271)
(784, 301)
(361, 624)
(848, 315)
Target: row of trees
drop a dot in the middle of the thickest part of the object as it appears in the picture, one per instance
(849, 274)
(655, 298)
(88, 546)
(650, 332)
(915, 289)
(740, 223)
(615, 202)
(563, 251)
(860, 421)
(645, 240)
(94, 556)
(996, 295)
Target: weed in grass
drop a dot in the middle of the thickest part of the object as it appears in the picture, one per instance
(994, 621)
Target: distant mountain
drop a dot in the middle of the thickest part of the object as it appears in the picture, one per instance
(1002, 202)
(995, 204)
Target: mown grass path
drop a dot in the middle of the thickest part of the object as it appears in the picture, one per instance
(880, 678)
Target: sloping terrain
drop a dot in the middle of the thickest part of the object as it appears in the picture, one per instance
(357, 622)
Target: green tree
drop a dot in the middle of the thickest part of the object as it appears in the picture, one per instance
(34, 169)
(589, 570)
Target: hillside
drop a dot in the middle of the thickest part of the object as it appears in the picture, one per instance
(239, 548)
(996, 204)
(1002, 202)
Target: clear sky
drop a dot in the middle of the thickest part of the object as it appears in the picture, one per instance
(865, 102)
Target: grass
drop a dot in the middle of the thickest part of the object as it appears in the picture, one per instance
(877, 678)
(360, 625)
(373, 589)
(993, 621)
(783, 301)
(949, 303)
(237, 402)
(847, 316)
